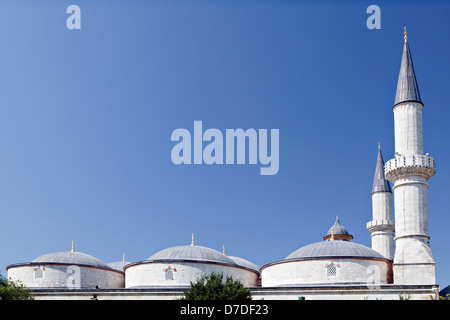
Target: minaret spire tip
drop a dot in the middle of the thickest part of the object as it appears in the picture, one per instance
(405, 33)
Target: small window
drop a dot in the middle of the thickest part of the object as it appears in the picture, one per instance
(38, 273)
(331, 270)
(169, 274)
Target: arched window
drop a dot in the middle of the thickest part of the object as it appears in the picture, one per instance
(331, 270)
(169, 274)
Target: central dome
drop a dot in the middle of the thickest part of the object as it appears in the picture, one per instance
(192, 253)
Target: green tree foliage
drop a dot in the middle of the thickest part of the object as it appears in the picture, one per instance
(10, 290)
(212, 287)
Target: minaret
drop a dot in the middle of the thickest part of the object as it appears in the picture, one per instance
(409, 171)
(382, 226)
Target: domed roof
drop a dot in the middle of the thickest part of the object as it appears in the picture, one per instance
(244, 263)
(191, 252)
(334, 249)
(118, 265)
(338, 231)
(71, 257)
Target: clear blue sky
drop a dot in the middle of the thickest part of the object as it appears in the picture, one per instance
(86, 118)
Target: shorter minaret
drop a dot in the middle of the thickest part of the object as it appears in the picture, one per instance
(382, 226)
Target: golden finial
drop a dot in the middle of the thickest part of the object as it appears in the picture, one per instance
(405, 37)
(123, 257)
(332, 233)
(73, 247)
(224, 250)
(192, 243)
(379, 146)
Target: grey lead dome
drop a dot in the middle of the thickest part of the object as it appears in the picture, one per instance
(71, 258)
(190, 252)
(334, 249)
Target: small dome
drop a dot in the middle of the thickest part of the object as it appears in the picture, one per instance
(338, 232)
(244, 263)
(71, 257)
(118, 265)
(334, 249)
(193, 253)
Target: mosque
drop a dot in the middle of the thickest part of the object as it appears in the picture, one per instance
(398, 265)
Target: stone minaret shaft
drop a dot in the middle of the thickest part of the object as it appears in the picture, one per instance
(382, 226)
(409, 171)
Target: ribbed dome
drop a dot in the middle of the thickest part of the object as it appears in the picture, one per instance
(190, 252)
(334, 248)
(337, 228)
(244, 263)
(71, 257)
(338, 232)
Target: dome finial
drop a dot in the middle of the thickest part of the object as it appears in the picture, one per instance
(224, 250)
(73, 247)
(192, 243)
(332, 233)
(123, 257)
(405, 33)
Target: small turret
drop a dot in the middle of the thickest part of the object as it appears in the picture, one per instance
(338, 232)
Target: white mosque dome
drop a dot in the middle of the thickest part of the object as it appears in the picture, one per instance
(66, 269)
(334, 249)
(244, 263)
(71, 258)
(181, 265)
(191, 253)
(333, 261)
(119, 265)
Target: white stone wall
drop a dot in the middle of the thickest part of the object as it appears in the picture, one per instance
(65, 276)
(382, 206)
(382, 292)
(413, 262)
(408, 128)
(154, 273)
(382, 225)
(315, 272)
(383, 243)
(411, 208)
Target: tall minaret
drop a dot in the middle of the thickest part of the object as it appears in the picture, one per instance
(382, 226)
(409, 171)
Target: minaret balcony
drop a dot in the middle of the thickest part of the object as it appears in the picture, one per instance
(416, 165)
(380, 225)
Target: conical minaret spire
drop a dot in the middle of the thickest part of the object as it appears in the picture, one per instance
(407, 88)
(380, 184)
